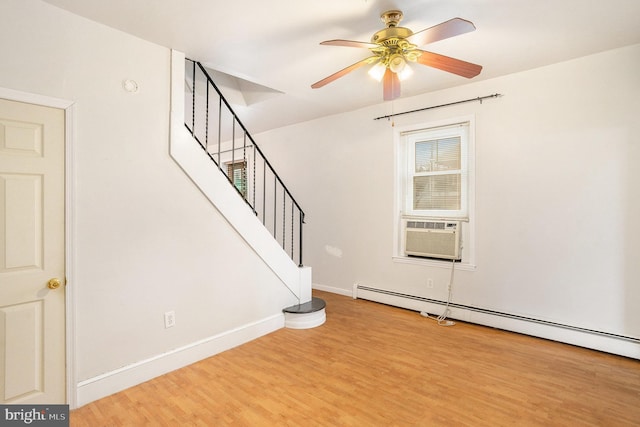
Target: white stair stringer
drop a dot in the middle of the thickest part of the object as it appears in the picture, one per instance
(193, 160)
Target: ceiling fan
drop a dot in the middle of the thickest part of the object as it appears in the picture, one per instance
(393, 47)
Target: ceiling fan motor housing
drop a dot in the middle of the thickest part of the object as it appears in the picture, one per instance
(393, 33)
(392, 46)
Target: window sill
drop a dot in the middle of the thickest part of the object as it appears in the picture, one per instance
(465, 266)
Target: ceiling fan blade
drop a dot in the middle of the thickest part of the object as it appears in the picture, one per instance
(451, 65)
(391, 85)
(348, 43)
(343, 72)
(450, 28)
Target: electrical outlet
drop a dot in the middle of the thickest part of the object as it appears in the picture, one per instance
(169, 319)
(430, 283)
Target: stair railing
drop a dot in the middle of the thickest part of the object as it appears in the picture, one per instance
(221, 134)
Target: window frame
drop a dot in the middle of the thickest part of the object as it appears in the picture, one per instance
(409, 140)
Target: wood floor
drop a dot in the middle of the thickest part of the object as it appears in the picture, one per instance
(375, 365)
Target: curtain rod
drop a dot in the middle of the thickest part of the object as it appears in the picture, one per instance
(480, 98)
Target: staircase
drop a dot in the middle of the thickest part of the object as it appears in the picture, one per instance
(254, 199)
(220, 133)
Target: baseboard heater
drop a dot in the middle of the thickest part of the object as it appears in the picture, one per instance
(490, 312)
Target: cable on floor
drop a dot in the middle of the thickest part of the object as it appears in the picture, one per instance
(442, 319)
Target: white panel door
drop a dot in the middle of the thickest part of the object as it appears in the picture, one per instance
(32, 314)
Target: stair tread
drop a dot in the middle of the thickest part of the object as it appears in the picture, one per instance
(316, 304)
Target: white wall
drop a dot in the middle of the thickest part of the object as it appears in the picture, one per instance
(557, 184)
(147, 241)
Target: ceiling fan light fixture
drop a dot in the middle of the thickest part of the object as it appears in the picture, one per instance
(405, 73)
(377, 71)
(397, 63)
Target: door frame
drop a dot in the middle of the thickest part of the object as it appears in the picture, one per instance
(69, 222)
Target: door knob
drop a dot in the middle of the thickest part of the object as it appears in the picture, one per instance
(54, 283)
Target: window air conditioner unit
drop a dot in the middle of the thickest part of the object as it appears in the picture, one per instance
(433, 239)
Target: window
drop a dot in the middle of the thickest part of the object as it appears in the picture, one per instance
(436, 171)
(237, 173)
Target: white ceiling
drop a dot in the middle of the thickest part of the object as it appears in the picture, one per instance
(275, 44)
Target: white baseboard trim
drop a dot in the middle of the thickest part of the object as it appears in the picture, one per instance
(582, 338)
(333, 290)
(122, 378)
